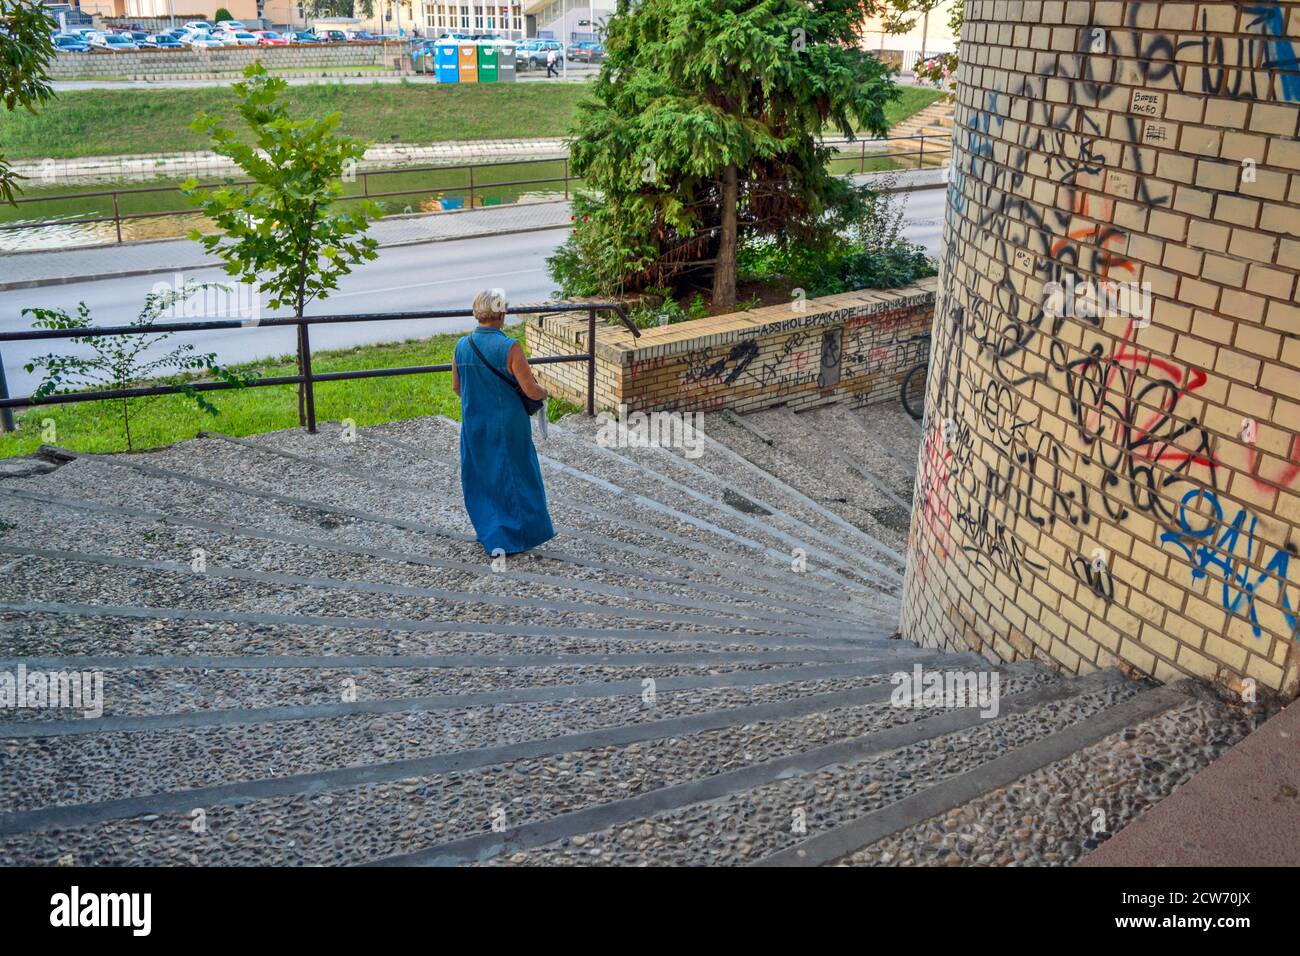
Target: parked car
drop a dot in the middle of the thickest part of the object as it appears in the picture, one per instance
(533, 53)
(303, 36)
(113, 42)
(244, 38)
(234, 26)
(362, 36)
(163, 41)
(332, 36)
(201, 41)
(588, 51)
(270, 38)
(200, 25)
(71, 44)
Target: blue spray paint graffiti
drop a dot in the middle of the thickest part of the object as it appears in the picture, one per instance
(1282, 52)
(1222, 554)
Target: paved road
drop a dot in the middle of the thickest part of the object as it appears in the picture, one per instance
(443, 275)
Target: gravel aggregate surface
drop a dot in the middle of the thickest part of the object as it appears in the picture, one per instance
(1056, 815)
(181, 690)
(88, 768)
(377, 820)
(745, 827)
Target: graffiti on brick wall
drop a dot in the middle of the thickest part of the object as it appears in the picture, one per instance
(1211, 544)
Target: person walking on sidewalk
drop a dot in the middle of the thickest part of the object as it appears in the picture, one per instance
(550, 64)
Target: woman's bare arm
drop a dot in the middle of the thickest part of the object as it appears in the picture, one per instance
(523, 372)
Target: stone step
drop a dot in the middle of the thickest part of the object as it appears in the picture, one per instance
(956, 791)
(679, 481)
(867, 450)
(746, 448)
(139, 533)
(799, 804)
(360, 812)
(612, 530)
(47, 576)
(744, 485)
(412, 446)
(94, 757)
(104, 480)
(185, 691)
(800, 456)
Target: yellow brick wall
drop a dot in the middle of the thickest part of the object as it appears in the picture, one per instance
(853, 347)
(1093, 489)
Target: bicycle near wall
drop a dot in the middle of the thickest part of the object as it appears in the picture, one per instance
(912, 390)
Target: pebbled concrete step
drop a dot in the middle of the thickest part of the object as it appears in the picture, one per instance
(609, 533)
(361, 808)
(104, 481)
(42, 576)
(742, 486)
(152, 536)
(577, 467)
(829, 790)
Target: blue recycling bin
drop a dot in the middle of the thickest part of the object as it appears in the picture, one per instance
(446, 55)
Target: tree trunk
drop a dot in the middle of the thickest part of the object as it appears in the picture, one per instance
(724, 270)
(299, 305)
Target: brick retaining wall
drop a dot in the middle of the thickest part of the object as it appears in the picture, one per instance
(853, 347)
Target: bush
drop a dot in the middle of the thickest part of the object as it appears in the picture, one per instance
(221, 14)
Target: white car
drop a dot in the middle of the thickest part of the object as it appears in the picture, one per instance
(233, 26)
(115, 42)
(201, 41)
(243, 38)
(201, 26)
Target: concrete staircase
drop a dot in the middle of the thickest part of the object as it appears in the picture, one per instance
(307, 659)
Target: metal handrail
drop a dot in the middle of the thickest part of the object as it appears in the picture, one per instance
(474, 183)
(306, 376)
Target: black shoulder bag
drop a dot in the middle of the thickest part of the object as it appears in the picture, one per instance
(531, 405)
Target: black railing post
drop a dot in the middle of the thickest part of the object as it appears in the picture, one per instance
(308, 386)
(471, 187)
(6, 414)
(591, 362)
(117, 218)
(920, 156)
(566, 177)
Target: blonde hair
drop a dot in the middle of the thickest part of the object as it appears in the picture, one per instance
(490, 305)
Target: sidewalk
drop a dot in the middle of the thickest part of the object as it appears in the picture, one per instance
(26, 270)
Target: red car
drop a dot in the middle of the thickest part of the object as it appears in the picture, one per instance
(270, 38)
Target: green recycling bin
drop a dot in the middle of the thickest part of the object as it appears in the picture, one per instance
(487, 62)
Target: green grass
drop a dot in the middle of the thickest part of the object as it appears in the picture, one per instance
(913, 99)
(121, 122)
(97, 426)
(116, 122)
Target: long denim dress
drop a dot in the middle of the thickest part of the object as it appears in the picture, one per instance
(499, 474)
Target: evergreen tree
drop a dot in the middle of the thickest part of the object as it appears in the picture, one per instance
(706, 127)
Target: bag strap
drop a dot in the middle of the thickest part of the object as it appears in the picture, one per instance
(492, 368)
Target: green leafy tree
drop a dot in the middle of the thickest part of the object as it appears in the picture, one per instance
(284, 233)
(705, 127)
(120, 361)
(26, 50)
(221, 14)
